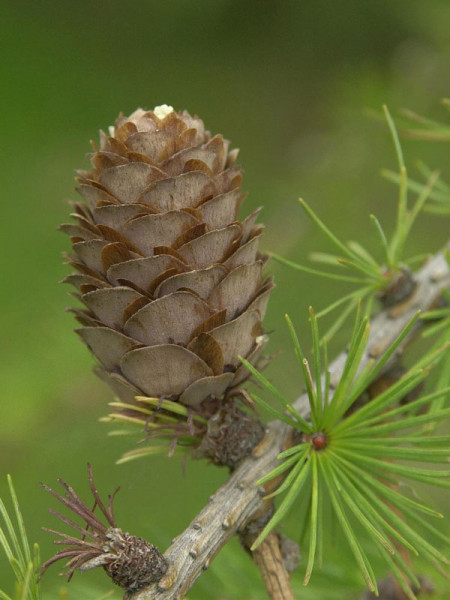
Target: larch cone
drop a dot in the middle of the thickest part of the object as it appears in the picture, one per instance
(171, 281)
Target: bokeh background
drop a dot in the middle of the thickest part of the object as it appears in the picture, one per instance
(288, 81)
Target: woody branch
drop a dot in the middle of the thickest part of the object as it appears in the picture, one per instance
(239, 500)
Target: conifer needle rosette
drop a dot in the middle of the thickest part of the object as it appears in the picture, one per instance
(438, 198)
(418, 127)
(389, 278)
(173, 425)
(350, 458)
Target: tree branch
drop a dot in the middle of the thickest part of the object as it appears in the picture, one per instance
(269, 560)
(237, 501)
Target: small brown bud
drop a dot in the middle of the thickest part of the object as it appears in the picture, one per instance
(389, 589)
(290, 552)
(319, 440)
(400, 289)
(137, 563)
(131, 562)
(231, 436)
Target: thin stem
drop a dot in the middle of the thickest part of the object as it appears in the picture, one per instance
(269, 560)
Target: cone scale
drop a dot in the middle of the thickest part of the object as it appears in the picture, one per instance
(171, 281)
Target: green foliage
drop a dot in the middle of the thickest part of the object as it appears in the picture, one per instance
(438, 198)
(171, 423)
(352, 458)
(23, 560)
(372, 278)
(417, 127)
(286, 98)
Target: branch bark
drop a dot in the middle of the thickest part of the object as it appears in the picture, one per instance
(269, 560)
(237, 501)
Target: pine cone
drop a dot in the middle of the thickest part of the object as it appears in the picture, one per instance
(171, 281)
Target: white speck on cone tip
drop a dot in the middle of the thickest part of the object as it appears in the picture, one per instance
(162, 111)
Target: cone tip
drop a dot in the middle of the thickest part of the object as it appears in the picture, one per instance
(162, 111)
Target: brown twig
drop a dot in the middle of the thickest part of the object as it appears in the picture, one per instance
(269, 560)
(268, 557)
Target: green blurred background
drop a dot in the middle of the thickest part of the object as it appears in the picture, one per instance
(287, 81)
